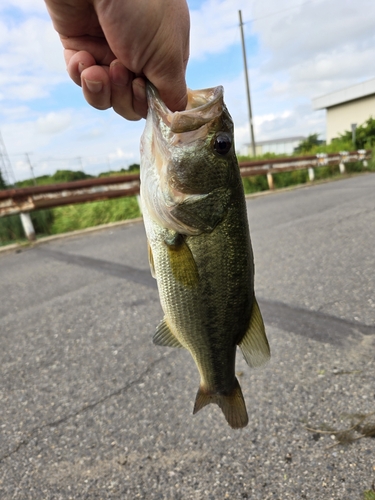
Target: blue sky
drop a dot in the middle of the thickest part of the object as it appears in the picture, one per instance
(296, 50)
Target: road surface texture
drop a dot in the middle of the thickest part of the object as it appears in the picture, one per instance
(91, 409)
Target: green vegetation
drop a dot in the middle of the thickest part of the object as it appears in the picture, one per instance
(132, 169)
(69, 218)
(56, 178)
(2, 182)
(284, 179)
(364, 135)
(369, 495)
(365, 139)
(308, 144)
(72, 217)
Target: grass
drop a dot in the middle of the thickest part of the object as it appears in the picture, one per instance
(69, 218)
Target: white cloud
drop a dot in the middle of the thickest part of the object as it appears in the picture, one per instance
(25, 6)
(120, 154)
(31, 61)
(64, 140)
(215, 26)
(317, 47)
(53, 122)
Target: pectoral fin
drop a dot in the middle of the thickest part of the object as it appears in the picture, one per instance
(254, 345)
(164, 336)
(183, 265)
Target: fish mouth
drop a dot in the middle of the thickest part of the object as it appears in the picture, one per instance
(203, 107)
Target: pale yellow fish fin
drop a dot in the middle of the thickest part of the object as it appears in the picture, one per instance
(183, 265)
(151, 260)
(164, 336)
(232, 405)
(254, 345)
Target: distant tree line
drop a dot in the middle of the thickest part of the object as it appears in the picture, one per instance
(68, 176)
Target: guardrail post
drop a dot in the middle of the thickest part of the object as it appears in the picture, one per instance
(344, 155)
(322, 159)
(27, 225)
(270, 180)
(362, 156)
(311, 174)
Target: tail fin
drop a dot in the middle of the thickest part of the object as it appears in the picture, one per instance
(232, 405)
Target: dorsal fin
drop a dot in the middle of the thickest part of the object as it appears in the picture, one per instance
(254, 345)
(164, 336)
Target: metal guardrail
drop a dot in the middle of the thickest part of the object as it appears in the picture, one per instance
(24, 200)
(18, 200)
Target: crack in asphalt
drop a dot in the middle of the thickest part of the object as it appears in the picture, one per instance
(26, 440)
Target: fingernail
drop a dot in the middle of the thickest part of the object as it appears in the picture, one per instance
(81, 67)
(93, 86)
(139, 91)
(119, 75)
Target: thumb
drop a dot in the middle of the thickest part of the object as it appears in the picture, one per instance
(172, 90)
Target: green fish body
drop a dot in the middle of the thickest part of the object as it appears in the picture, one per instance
(199, 244)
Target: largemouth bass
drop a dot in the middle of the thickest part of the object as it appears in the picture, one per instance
(199, 244)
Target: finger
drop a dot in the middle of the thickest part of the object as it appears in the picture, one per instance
(97, 46)
(173, 93)
(169, 79)
(76, 62)
(140, 97)
(96, 86)
(122, 91)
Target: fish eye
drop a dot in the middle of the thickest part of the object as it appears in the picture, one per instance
(223, 143)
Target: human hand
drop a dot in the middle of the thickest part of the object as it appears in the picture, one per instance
(111, 47)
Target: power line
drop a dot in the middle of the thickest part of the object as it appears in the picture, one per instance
(279, 11)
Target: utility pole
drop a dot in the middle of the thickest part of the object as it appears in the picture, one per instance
(247, 86)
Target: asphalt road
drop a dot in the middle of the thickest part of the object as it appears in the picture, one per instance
(90, 408)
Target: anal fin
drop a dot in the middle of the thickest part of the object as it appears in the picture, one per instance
(232, 405)
(164, 336)
(254, 345)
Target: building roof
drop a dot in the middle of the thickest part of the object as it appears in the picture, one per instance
(344, 95)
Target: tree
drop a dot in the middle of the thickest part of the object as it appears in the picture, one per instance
(2, 182)
(69, 175)
(364, 135)
(307, 145)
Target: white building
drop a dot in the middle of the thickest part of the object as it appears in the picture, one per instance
(353, 105)
(277, 146)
